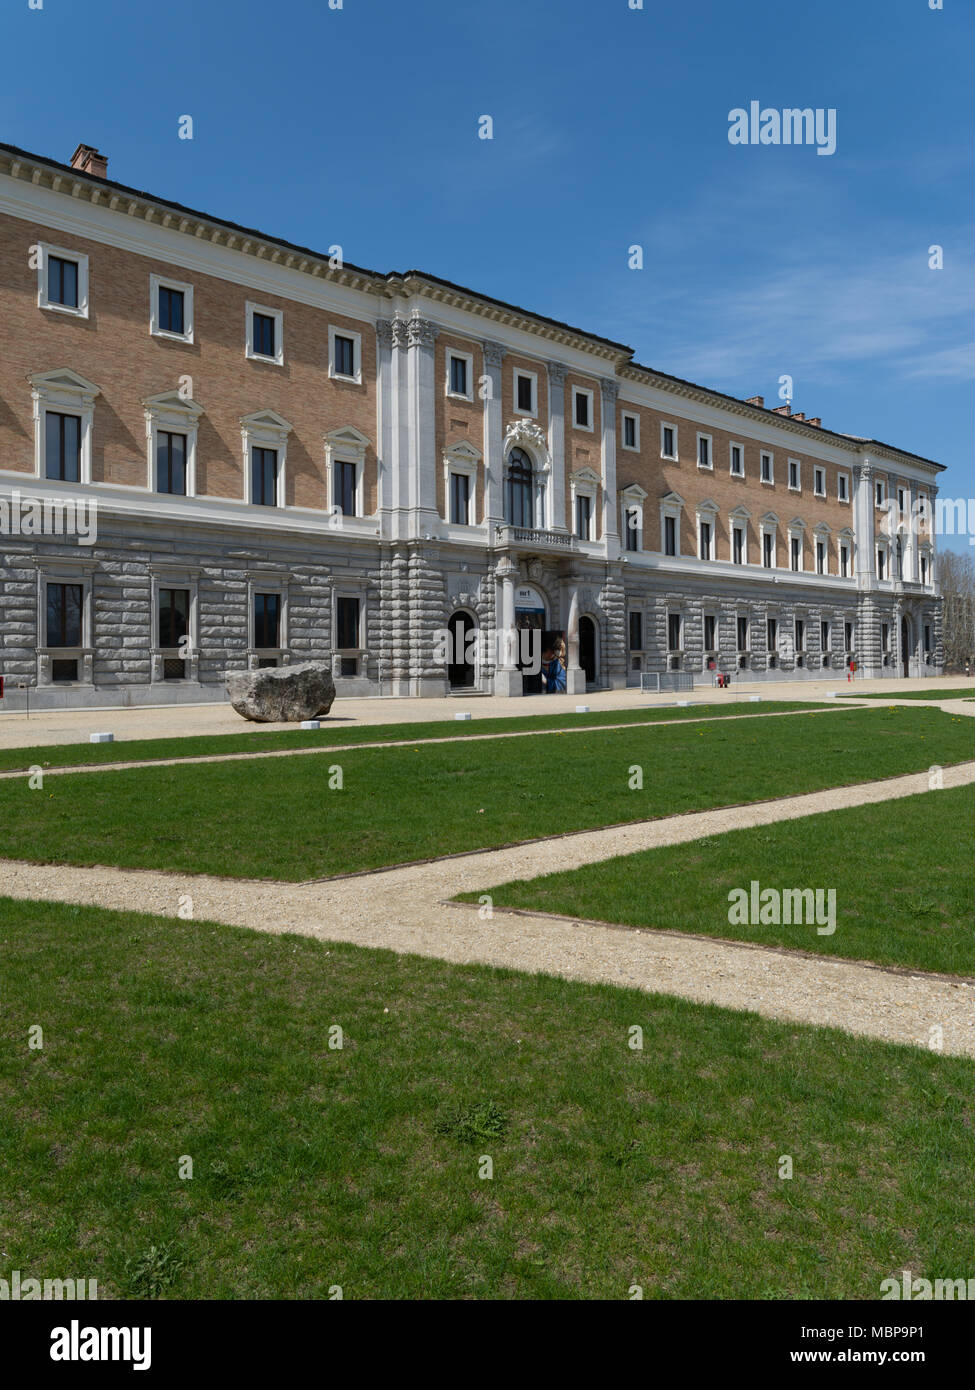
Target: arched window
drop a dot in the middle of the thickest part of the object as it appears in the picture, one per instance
(519, 490)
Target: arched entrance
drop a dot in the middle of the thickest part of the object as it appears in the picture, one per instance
(587, 649)
(907, 646)
(460, 669)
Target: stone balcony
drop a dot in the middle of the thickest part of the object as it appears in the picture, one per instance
(532, 538)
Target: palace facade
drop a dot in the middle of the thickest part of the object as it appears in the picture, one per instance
(287, 458)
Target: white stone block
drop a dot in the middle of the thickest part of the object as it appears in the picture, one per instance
(311, 724)
(582, 709)
(101, 738)
(755, 699)
(462, 716)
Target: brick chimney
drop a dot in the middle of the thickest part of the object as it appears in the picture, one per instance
(798, 416)
(756, 400)
(815, 420)
(88, 160)
(783, 409)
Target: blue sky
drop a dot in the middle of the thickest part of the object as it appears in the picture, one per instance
(359, 127)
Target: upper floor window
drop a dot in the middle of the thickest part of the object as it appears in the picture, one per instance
(842, 487)
(631, 431)
(344, 355)
(794, 484)
(519, 490)
(706, 533)
(633, 518)
(265, 334)
(582, 408)
(264, 477)
(704, 451)
(924, 569)
(881, 492)
(62, 447)
(171, 462)
(460, 499)
(345, 487)
(795, 551)
(881, 563)
(768, 550)
(819, 482)
(170, 309)
(62, 282)
(767, 465)
(738, 545)
(820, 557)
(459, 375)
(668, 442)
(844, 560)
(670, 535)
(584, 517)
(526, 390)
(737, 461)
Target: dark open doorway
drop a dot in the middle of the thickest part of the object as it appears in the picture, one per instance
(460, 669)
(587, 649)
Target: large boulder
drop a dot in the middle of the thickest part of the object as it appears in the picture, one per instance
(282, 694)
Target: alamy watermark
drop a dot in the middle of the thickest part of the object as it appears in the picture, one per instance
(758, 125)
(17, 1289)
(22, 515)
(773, 907)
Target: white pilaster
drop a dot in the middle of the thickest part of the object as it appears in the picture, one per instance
(493, 435)
(609, 391)
(556, 444)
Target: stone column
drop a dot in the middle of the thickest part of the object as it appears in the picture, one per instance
(425, 516)
(507, 678)
(556, 443)
(609, 391)
(493, 441)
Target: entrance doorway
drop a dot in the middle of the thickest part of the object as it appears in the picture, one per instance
(906, 646)
(460, 668)
(587, 649)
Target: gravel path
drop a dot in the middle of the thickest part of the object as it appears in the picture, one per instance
(404, 910)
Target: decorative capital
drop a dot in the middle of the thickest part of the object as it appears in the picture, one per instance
(400, 333)
(863, 470)
(557, 372)
(610, 388)
(421, 332)
(384, 333)
(493, 354)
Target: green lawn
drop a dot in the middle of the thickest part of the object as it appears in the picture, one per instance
(278, 818)
(339, 731)
(966, 692)
(902, 872)
(358, 1167)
